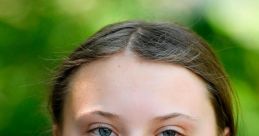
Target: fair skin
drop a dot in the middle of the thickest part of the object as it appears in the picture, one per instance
(123, 95)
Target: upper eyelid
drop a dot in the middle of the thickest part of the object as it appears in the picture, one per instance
(158, 131)
(167, 127)
(101, 124)
(83, 119)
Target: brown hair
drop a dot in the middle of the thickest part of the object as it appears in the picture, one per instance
(163, 42)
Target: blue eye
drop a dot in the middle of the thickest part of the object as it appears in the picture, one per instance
(169, 133)
(102, 131)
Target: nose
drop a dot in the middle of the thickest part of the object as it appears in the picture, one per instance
(138, 133)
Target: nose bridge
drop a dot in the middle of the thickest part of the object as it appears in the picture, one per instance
(138, 130)
(138, 133)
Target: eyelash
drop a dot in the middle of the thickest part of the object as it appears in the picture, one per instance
(171, 131)
(101, 126)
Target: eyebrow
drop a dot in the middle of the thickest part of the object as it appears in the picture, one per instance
(106, 114)
(87, 115)
(174, 115)
(159, 118)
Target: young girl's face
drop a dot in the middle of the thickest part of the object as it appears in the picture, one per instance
(126, 96)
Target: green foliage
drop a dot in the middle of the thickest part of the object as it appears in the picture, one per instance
(35, 35)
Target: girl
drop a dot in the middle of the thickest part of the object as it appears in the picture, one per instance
(137, 78)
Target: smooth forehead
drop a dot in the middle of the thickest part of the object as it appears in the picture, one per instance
(127, 68)
(123, 83)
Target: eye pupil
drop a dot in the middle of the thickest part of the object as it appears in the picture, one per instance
(169, 133)
(104, 131)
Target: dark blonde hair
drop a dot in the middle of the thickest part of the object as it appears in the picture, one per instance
(162, 42)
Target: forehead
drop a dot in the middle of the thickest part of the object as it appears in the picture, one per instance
(124, 83)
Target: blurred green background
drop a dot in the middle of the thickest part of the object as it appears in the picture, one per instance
(36, 34)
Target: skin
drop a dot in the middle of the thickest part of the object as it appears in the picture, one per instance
(123, 95)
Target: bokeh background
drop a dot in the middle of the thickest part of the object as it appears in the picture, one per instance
(35, 35)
